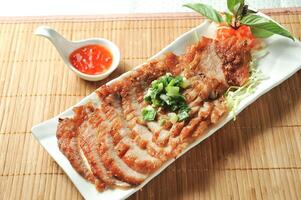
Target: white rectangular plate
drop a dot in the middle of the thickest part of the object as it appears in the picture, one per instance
(282, 61)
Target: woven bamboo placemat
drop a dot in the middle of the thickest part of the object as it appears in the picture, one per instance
(255, 157)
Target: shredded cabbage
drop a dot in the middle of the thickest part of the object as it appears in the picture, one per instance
(235, 94)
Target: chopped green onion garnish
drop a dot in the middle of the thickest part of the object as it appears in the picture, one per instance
(183, 113)
(172, 90)
(185, 83)
(173, 117)
(149, 113)
(165, 93)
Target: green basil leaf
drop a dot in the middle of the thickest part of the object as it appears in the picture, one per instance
(228, 18)
(206, 11)
(262, 23)
(254, 20)
(232, 3)
(149, 113)
(238, 8)
(261, 33)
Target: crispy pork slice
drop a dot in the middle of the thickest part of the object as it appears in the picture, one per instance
(67, 135)
(181, 130)
(115, 164)
(154, 128)
(153, 134)
(219, 109)
(88, 138)
(199, 91)
(201, 109)
(130, 152)
(110, 154)
(205, 60)
(204, 69)
(227, 60)
(210, 64)
(144, 131)
(236, 56)
(140, 133)
(159, 133)
(208, 114)
(202, 114)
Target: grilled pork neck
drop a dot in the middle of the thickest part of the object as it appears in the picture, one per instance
(111, 146)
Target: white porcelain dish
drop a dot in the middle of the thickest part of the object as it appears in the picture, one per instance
(66, 47)
(282, 61)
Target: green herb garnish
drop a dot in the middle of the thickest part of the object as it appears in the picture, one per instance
(183, 113)
(173, 117)
(263, 27)
(206, 11)
(240, 14)
(166, 93)
(149, 113)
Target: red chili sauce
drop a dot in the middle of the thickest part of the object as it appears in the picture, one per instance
(91, 59)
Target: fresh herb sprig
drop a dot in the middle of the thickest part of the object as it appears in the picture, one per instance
(240, 14)
(165, 93)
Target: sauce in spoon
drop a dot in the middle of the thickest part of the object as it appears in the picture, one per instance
(91, 59)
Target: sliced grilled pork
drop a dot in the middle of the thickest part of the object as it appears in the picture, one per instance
(123, 137)
(227, 60)
(198, 92)
(141, 133)
(111, 157)
(67, 135)
(115, 164)
(88, 138)
(235, 55)
(209, 113)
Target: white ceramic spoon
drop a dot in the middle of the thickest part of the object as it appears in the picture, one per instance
(66, 47)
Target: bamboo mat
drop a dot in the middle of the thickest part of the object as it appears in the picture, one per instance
(256, 157)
